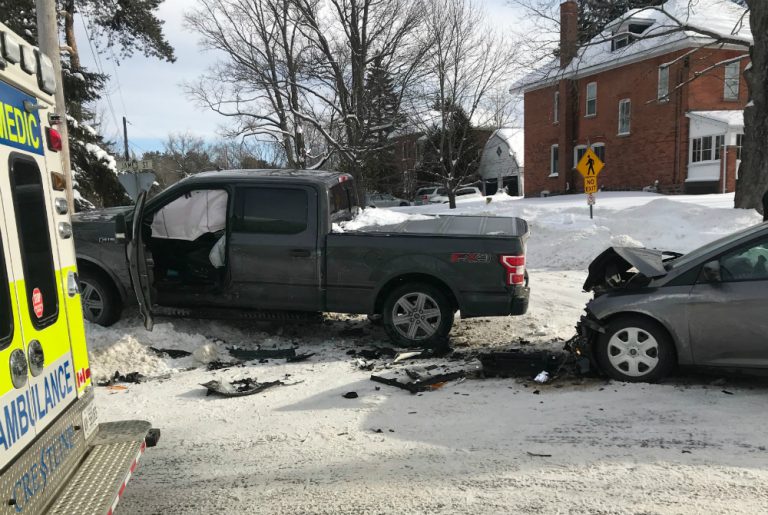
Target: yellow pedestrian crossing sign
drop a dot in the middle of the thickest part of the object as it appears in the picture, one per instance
(590, 165)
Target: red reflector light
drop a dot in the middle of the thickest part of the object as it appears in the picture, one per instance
(344, 178)
(54, 139)
(514, 266)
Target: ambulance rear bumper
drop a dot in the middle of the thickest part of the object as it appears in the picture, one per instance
(65, 472)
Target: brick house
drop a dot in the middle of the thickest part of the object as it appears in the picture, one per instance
(661, 107)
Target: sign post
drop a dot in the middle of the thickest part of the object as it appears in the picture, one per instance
(590, 167)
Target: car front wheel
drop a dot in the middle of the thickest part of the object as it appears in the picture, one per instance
(417, 315)
(635, 349)
(100, 301)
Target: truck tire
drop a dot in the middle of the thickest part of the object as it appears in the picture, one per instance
(635, 349)
(417, 315)
(99, 297)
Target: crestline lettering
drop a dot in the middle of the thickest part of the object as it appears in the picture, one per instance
(35, 479)
(24, 411)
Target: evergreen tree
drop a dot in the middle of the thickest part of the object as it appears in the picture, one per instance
(382, 119)
(127, 25)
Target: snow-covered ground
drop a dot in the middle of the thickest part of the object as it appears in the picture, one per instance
(685, 446)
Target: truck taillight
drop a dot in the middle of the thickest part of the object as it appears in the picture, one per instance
(54, 139)
(514, 268)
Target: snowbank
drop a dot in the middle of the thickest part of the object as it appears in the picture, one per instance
(374, 217)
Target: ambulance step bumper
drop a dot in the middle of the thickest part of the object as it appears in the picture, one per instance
(100, 480)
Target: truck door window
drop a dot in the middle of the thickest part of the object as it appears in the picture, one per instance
(32, 220)
(271, 211)
(6, 314)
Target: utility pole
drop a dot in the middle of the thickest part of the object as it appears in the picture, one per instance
(125, 139)
(48, 39)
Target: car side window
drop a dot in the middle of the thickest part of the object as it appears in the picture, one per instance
(746, 264)
(271, 211)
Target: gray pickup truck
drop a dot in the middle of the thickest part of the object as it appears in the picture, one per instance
(268, 242)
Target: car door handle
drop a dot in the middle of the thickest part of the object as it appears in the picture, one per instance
(300, 253)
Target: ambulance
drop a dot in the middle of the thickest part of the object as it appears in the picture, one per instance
(54, 455)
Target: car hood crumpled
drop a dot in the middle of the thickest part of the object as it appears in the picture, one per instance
(649, 262)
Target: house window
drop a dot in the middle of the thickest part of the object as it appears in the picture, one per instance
(719, 142)
(578, 153)
(739, 143)
(580, 150)
(731, 86)
(663, 85)
(625, 108)
(556, 107)
(554, 161)
(591, 106)
(621, 41)
(701, 149)
(599, 150)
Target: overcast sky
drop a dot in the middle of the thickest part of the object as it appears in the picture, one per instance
(149, 93)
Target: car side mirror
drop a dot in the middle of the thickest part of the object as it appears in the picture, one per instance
(120, 227)
(711, 272)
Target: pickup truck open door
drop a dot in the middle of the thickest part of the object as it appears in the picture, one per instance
(138, 265)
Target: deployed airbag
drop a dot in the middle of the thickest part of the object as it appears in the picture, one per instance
(190, 216)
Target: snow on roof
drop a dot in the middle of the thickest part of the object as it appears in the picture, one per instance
(722, 18)
(732, 118)
(514, 139)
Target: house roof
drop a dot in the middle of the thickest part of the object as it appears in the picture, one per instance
(513, 138)
(734, 119)
(702, 19)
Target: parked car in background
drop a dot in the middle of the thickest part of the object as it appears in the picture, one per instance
(654, 310)
(425, 194)
(384, 200)
(467, 192)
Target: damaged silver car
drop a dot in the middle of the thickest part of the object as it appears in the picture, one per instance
(655, 310)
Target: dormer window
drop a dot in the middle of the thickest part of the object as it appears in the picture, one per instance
(628, 33)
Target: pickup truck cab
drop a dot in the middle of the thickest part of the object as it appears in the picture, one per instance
(268, 242)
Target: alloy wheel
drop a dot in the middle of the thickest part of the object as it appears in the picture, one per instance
(416, 316)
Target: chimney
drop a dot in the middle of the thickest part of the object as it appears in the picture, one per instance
(569, 32)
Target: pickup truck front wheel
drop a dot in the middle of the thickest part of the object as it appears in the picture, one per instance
(417, 315)
(100, 300)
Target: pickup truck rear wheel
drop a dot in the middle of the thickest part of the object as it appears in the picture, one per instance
(417, 315)
(100, 299)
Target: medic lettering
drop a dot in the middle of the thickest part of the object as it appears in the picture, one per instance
(18, 126)
(39, 400)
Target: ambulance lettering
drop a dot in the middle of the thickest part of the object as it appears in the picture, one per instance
(19, 128)
(22, 412)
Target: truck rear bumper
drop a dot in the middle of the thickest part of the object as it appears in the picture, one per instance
(66, 471)
(514, 302)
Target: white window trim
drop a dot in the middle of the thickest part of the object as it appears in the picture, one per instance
(737, 79)
(629, 117)
(556, 107)
(662, 96)
(711, 150)
(576, 153)
(552, 148)
(587, 114)
(595, 145)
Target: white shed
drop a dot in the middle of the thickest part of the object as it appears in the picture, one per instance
(502, 161)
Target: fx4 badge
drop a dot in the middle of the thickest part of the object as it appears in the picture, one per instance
(470, 257)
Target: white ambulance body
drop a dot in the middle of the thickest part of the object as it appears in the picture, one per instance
(54, 456)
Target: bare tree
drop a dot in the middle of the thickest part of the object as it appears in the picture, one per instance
(349, 37)
(467, 62)
(258, 83)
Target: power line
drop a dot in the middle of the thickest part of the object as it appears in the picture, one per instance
(99, 68)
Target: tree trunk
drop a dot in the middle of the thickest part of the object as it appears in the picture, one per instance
(753, 173)
(69, 34)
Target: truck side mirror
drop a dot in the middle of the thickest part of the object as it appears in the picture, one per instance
(710, 273)
(120, 227)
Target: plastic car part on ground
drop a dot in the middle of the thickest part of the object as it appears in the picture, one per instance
(426, 378)
(239, 387)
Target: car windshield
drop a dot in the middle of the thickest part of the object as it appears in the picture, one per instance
(425, 191)
(709, 247)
